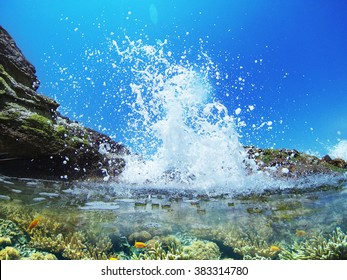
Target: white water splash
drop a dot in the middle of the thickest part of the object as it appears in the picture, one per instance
(339, 150)
(182, 134)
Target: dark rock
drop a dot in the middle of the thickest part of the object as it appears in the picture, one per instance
(338, 162)
(36, 141)
(15, 63)
(327, 158)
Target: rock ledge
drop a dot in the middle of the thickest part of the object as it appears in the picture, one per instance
(36, 140)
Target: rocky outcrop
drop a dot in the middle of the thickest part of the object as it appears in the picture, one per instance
(35, 140)
(337, 162)
(293, 164)
(15, 63)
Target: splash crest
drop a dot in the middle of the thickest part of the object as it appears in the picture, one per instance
(179, 131)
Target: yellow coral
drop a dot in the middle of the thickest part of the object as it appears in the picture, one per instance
(5, 240)
(51, 243)
(9, 253)
(79, 247)
(157, 252)
(320, 247)
(41, 256)
(200, 250)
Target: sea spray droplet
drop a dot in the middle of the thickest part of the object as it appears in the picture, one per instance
(181, 133)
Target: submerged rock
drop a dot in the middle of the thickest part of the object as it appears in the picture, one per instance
(36, 140)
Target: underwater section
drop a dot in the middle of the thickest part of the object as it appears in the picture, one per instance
(54, 220)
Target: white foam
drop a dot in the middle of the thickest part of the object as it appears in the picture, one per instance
(339, 150)
(183, 134)
(100, 205)
(238, 111)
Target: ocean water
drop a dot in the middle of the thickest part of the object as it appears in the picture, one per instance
(185, 85)
(101, 221)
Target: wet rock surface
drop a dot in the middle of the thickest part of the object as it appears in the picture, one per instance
(36, 140)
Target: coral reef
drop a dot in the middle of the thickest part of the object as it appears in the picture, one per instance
(257, 250)
(157, 252)
(10, 233)
(250, 245)
(69, 244)
(240, 240)
(9, 253)
(320, 247)
(5, 241)
(59, 236)
(142, 236)
(72, 245)
(200, 250)
(170, 248)
(78, 246)
(42, 256)
(290, 226)
(167, 241)
(51, 235)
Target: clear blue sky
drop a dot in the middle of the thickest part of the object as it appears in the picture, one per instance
(293, 54)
